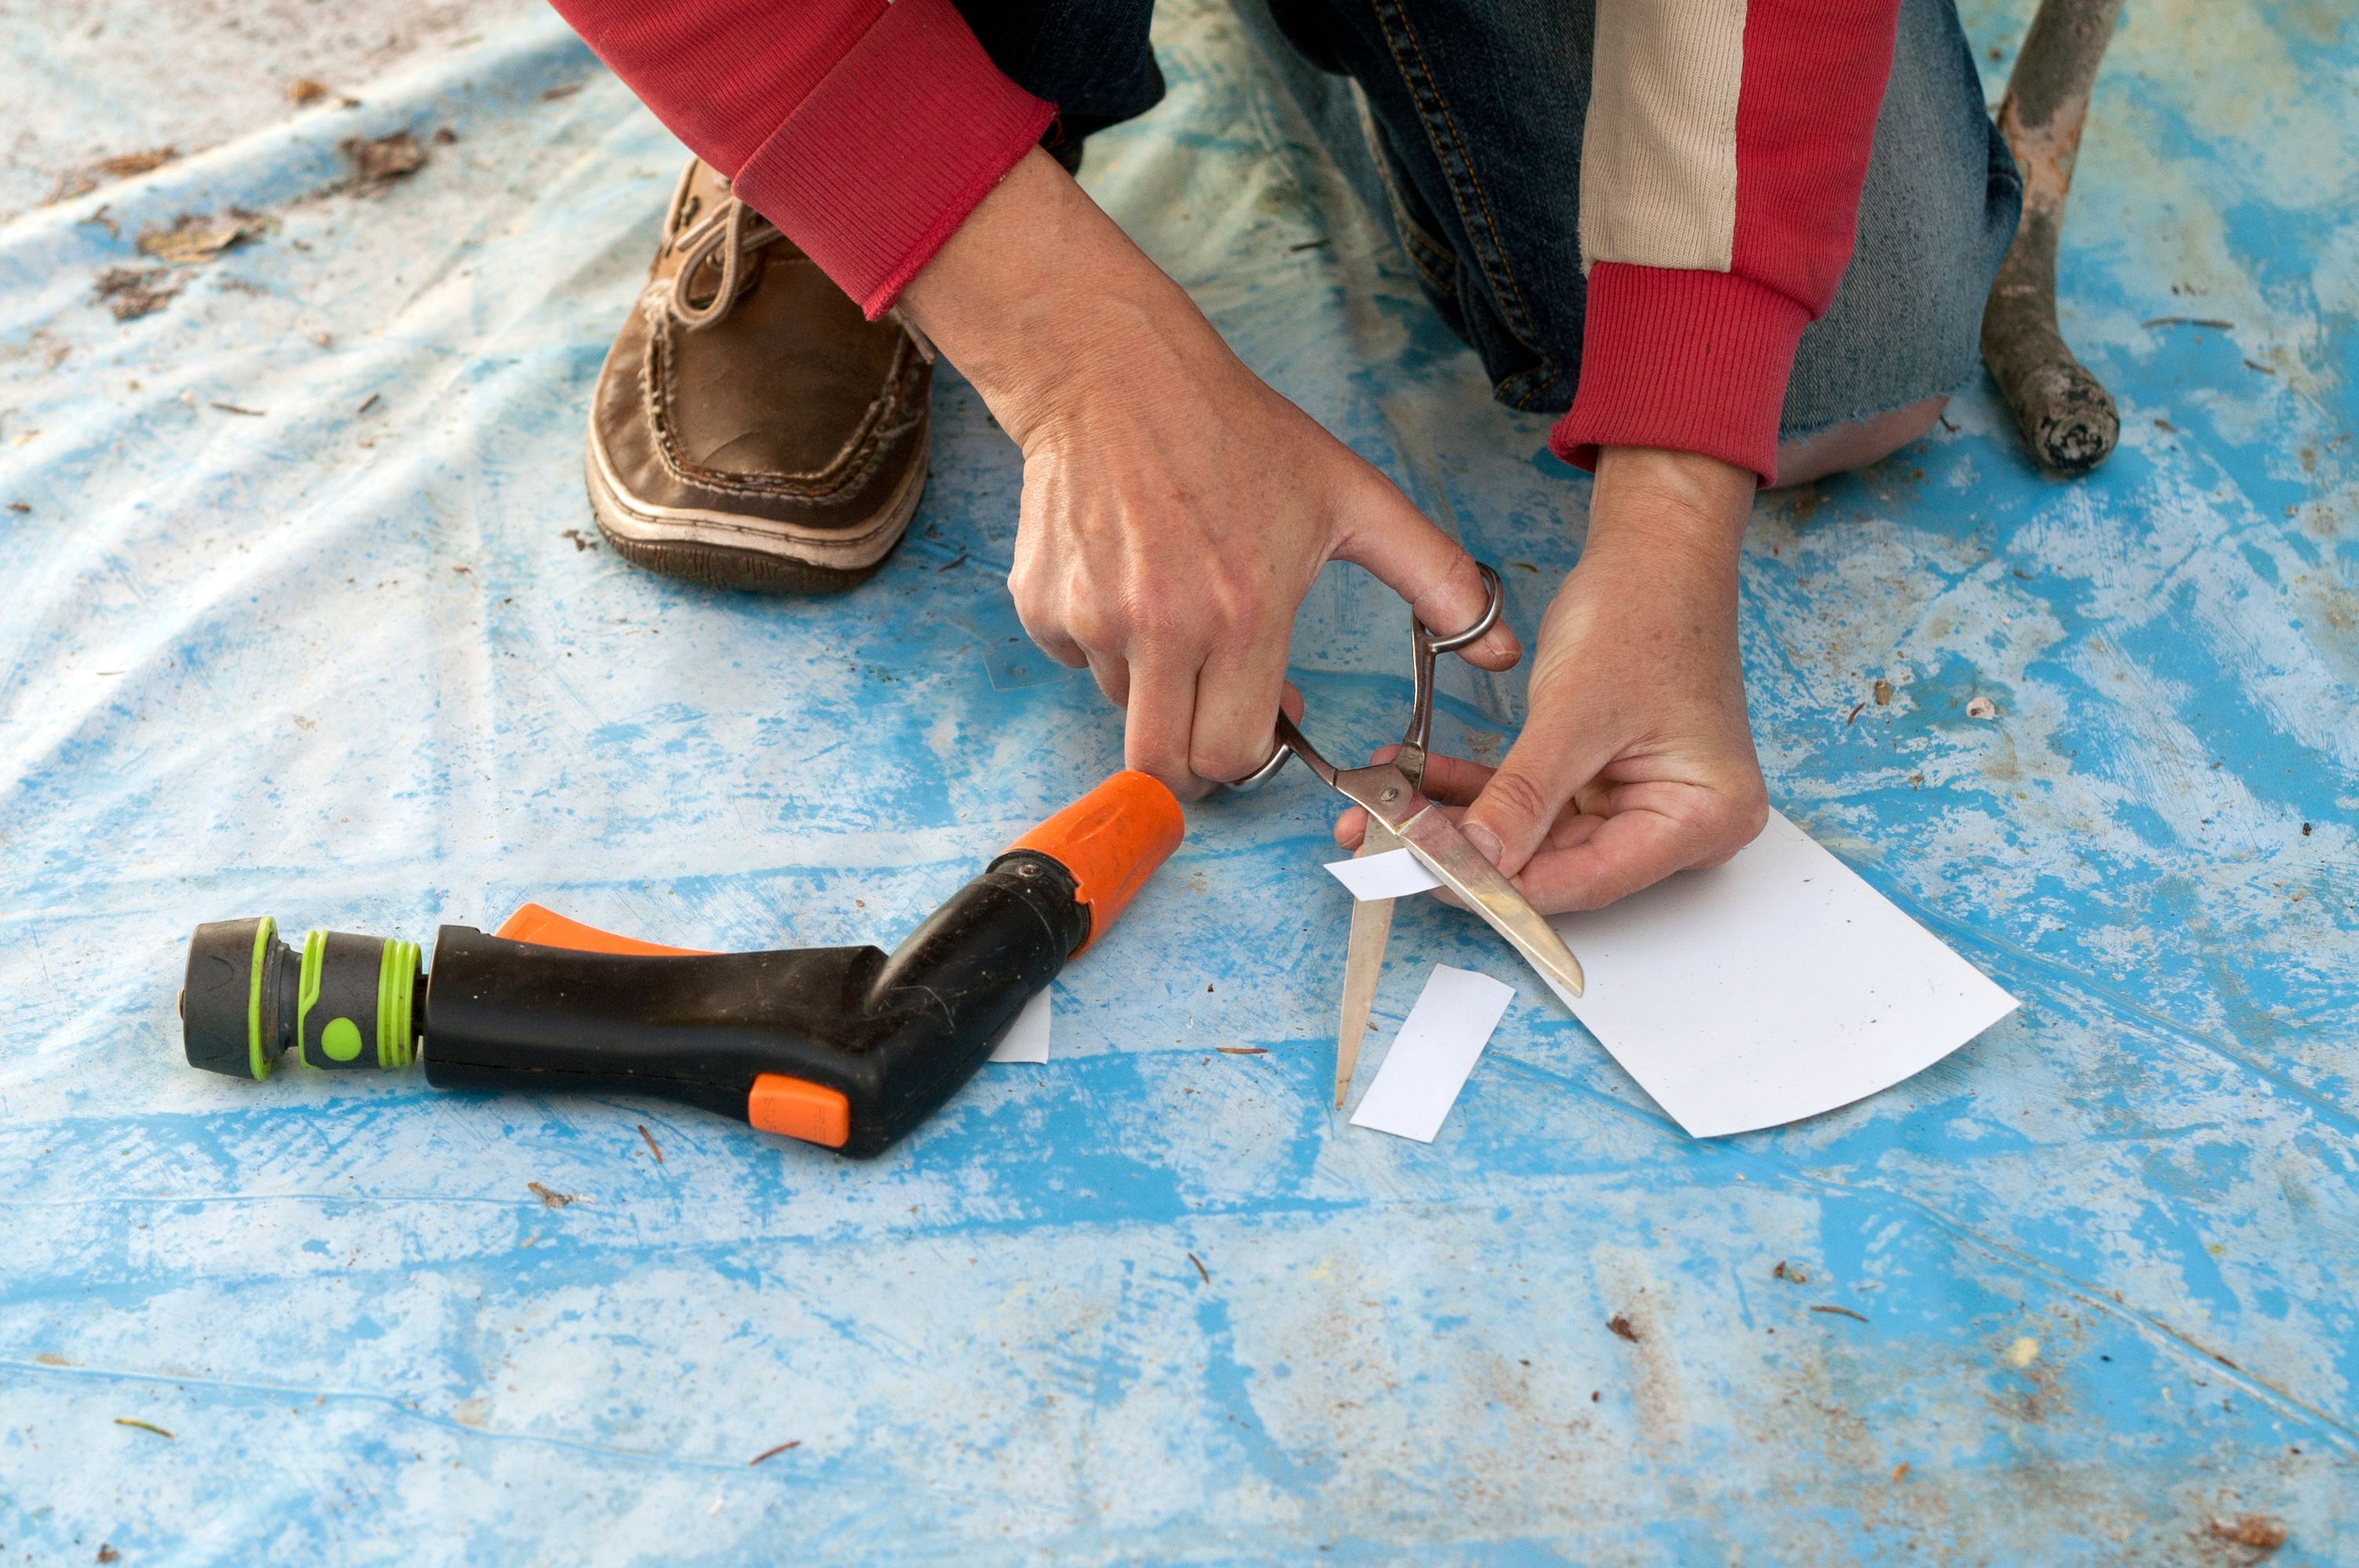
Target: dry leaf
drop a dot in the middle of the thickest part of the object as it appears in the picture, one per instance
(90, 177)
(377, 162)
(197, 237)
(132, 292)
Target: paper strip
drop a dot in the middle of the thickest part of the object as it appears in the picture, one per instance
(1396, 873)
(1436, 1049)
(1772, 988)
(1027, 1038)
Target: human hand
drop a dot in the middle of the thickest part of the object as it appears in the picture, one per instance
(1638, 759)
(1175, 508)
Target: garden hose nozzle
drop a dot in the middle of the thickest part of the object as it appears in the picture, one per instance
(342, 1001)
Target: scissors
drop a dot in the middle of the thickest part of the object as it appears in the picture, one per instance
(1400, 817)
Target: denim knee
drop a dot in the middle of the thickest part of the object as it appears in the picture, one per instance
(1936, 214)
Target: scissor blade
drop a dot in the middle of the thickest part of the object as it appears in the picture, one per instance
(1372, 926)
(1441, 849)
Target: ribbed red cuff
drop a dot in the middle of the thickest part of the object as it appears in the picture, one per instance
(1694, 361)
(888, 155)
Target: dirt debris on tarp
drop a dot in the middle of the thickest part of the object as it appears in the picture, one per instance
(198, 237)
(2256, 1530)
(1620, 1326)
(132, 292)
(378, 161)
(81, 181)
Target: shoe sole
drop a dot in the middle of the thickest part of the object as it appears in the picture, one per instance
(725, 551)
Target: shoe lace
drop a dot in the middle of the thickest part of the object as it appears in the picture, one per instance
(724, 236)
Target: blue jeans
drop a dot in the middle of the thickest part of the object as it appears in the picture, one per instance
(1475, 110)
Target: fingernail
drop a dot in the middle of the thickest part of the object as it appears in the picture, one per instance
(1483, 840)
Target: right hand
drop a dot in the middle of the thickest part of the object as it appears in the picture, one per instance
(1175, 508)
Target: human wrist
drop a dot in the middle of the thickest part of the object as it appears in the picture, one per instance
(1036, 288)
(1668, 512)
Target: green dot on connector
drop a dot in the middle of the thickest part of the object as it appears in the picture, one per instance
(341, 1040)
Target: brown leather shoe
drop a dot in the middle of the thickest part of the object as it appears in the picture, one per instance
(750, 429)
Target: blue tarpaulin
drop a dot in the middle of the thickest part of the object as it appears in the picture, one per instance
(305, 616)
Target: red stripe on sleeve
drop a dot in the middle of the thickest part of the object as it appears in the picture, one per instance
(1696, 360)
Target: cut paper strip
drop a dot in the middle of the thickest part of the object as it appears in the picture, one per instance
(1436, 1047)
(1772, 988)
(1027, 1038)
(1396, 873)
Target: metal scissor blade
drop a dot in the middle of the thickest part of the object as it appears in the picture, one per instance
(1372, 926)
(1441, 849)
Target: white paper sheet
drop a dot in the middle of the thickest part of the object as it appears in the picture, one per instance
(1027, 1038)
(1773, 988)
(1396, 873)
(1436, 1047)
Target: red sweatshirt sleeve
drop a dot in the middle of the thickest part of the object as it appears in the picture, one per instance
(1726, 144)
(867, 130)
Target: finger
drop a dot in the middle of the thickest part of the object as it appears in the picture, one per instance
(1635, 848)
(1040, 613)
(1238, 693)
(1453, 781)
(1158, 717)
(1112, 672)
(1426, 566)
(1559, 752)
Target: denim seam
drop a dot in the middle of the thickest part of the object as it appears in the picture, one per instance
(1434, 260)
(1433, 111)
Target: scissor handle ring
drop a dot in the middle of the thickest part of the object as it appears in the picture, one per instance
(1263, 774)
(1475, 633)
(1432, 644)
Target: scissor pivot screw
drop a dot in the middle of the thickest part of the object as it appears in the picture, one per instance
(1389, 794)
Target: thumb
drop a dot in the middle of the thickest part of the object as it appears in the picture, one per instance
(1387, 535)
(1546, 767)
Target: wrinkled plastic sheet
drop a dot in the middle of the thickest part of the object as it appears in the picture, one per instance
(353, 659)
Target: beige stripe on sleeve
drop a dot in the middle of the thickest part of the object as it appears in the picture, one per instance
(1659, 153)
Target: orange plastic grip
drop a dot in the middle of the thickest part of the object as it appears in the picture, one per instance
(1111, 841)
(546, 928)
(799, 1109)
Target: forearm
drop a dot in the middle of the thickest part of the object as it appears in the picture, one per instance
(1038, 284)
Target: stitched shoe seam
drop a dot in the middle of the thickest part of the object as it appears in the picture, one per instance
(853, 464)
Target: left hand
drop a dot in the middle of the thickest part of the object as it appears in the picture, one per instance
(1637, 760)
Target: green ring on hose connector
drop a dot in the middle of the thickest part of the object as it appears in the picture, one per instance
(307, 984)
(263, 933)
(397, 978)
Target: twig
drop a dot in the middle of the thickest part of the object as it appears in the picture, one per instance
(142, 1425)
(651, 1142)
(2190, 321)
(1241, 1050)
(2064, 412)
(1200, 1267)
(1843, 1312)
(769, 1453)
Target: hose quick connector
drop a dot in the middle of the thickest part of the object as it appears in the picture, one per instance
(344, 1001)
